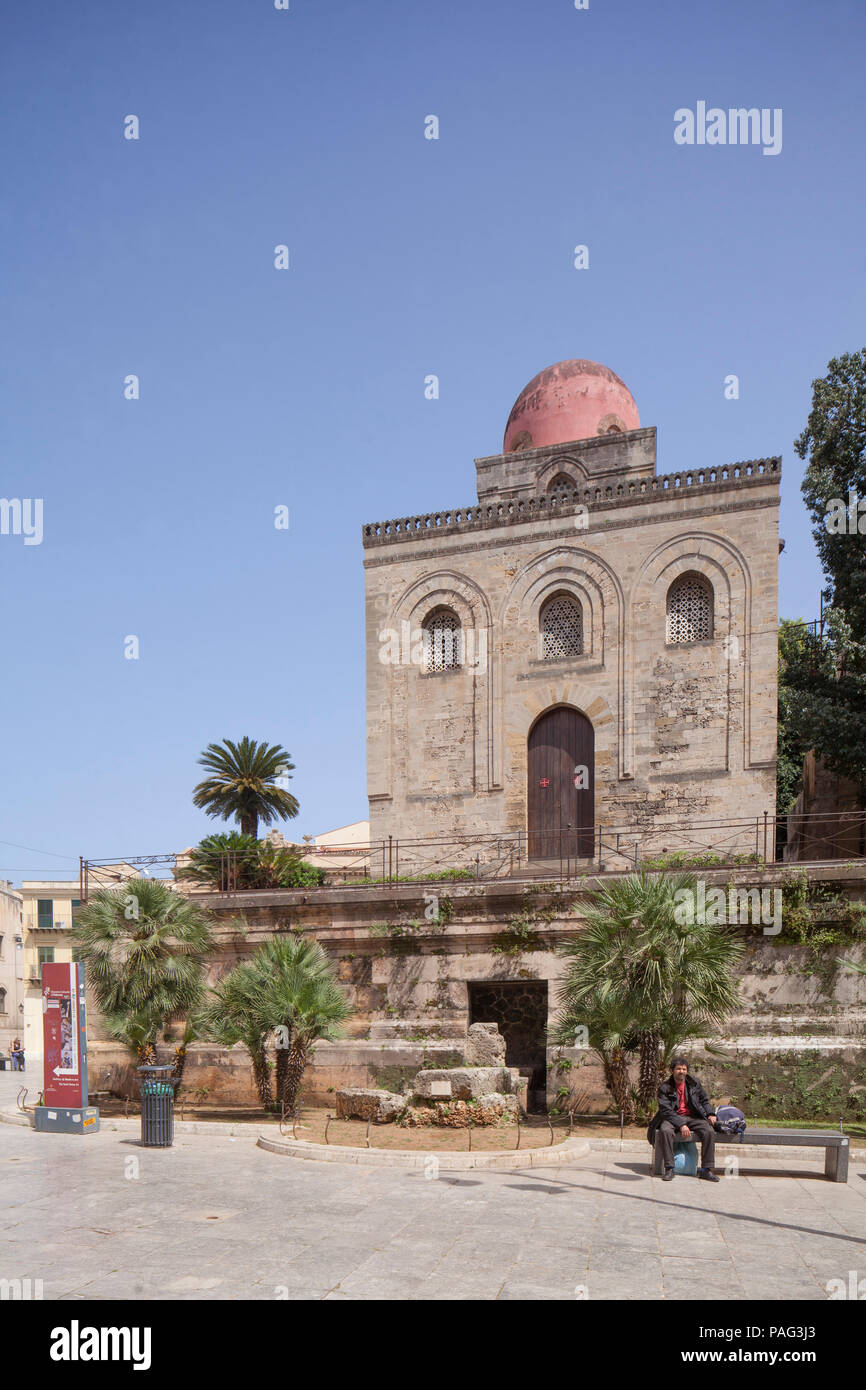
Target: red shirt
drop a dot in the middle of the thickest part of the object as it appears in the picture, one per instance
(682, 1103)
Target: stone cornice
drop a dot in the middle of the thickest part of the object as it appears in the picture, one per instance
(691, 482)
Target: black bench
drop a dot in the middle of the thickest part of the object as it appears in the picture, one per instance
(836, 1146)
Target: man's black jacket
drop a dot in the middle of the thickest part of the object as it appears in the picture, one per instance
(696, 1098)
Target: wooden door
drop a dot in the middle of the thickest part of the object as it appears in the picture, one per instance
(561, 800)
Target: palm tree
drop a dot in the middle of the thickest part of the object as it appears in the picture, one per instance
(612, 1036)
(284, 963)
(230, 861)
(300, 997)
(137, 1032)
(319, 1010)
(223, 861)
(243, 783)
(181, 1050)
(143, 947)
(635, 957)
(232, 1014)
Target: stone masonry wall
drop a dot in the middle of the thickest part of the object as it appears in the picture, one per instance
(682, 732)
(409, 982)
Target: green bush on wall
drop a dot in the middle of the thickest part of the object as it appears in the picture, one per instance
(805, 1086)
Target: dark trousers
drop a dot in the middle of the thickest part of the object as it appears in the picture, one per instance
(701, 1129)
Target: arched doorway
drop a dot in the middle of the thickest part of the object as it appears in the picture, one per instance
(561, 799)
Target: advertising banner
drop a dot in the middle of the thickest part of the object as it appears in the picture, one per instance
(64, 1035)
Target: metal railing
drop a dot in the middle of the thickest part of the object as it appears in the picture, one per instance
(562, 854)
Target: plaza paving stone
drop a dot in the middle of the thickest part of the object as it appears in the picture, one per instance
(214, 1218)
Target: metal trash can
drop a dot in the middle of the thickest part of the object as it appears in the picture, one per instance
(157, 1106)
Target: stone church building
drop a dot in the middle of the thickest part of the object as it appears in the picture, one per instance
(589, 647)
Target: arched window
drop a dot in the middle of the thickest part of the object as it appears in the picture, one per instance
(561, 622)
(562, 487)
(2, 1001)
(690, 609)
(443, 640)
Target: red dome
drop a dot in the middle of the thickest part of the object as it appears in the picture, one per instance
(571, 400)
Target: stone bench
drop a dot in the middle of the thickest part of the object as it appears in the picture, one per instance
(836, 1146)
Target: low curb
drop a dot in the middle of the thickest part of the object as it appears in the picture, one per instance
(16, 1117)
(565, 1152)
(132, 1125)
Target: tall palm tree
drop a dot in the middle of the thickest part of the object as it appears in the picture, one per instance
(671, 978)
(143, 947)
(243, 783)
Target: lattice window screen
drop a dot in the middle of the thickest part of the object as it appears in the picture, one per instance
(561, 628)
(562, 487)
(690, 610)
(443, 641)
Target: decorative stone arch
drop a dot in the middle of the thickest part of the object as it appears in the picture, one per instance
(611, 424)
(724, 567)
(450, 589)
(560, 625)
(566, 464)
(444, 589)
(572, 570)
(690, 605)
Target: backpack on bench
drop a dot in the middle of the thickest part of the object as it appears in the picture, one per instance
(730, 1121)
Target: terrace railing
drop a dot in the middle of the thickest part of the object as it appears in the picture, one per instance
(562, 855)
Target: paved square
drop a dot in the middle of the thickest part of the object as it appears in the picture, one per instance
(217, 1218)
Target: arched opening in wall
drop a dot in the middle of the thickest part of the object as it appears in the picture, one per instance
(562, 488)
(689, 610)
(443, 641)
(561, 791)
(561, 627)
(520, 1010)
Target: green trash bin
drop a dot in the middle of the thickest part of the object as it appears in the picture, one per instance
(157, 1106)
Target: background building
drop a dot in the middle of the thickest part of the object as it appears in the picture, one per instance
(11, 948)
(48, 907)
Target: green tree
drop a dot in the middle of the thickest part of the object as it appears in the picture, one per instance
(611, 1033)
(834, 447)
(243, 783)
(794, 643)
(283, 964)
(302, 999)
(825, 698)
(660, 973)
(232, 1013)
(230, 860)
(143, 947)
(825, 675)
(139, 1034)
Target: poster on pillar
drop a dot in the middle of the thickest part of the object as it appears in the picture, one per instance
(64, 1035)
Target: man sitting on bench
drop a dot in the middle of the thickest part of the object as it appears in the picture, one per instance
(684, 1111)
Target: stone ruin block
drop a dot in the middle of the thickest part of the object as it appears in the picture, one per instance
(485, 1046)
(466, 1083)
(491, 1109)
(365, 1103)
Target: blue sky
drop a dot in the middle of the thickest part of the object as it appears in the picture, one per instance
(306, 387)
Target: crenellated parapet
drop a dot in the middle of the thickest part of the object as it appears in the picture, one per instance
(514, 511)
